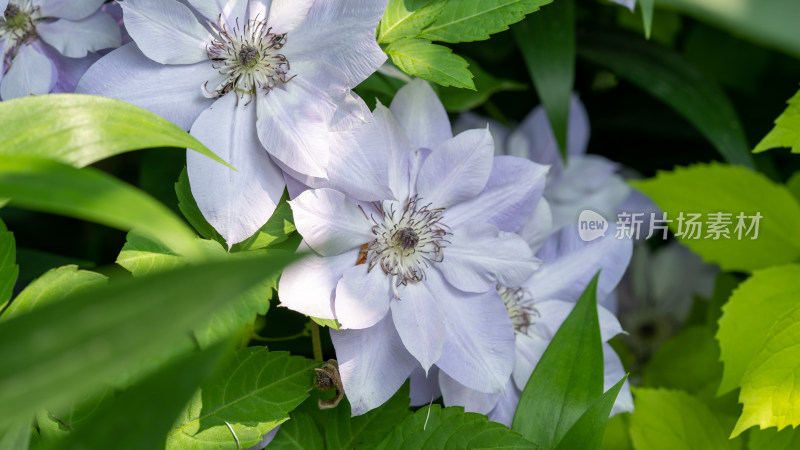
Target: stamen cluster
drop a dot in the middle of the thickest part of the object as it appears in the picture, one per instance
(518, 304)
(18, 25)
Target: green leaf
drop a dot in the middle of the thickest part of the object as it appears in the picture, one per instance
(366, 430)
(793, 184)
(568, 378)
(15, 434)
(734, 190)
(191, 211)
(431, 62)
(769, 385)
(772, 439)
(99, 335)
(82, 129)
(401, 19)
(459, 100)
(753, 309)
(616, 436)
(331, 323)
(89, 194)
(547, 43)
(436, 427)
(669, 420)
(667, 76)
(646, 7)
(475, 20)
(53, 427)
(277, 229)
(53, 286)
(9, 270)
(688, 361)
(252, 394)
(587, 433)
(787, 129)
(140, 417)
(299, 432)
(143, 256)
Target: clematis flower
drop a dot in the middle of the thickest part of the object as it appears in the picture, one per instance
(630, 4)
(538, 307)
(412, 277)
(264, 84)
(46, 45)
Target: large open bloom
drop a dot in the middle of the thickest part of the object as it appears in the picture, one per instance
(263, 83)
(412, 277)
(45, 45)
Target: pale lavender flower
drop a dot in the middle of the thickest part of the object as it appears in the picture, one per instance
(265, 84)
(46, 45)
(630, 4)
(412, 278)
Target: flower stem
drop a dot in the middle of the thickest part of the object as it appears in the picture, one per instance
(315, 341)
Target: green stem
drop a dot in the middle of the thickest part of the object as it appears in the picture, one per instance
(256, 337)
(315, 341)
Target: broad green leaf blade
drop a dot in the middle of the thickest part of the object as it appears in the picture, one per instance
(787, 129)
(141, 416)
(669, 420)
(89, 194)
(458, 100)
(771, 439)
(568, 378)
(9, 270)
(547, 43)
(55, 426)
(15, 434)
(730, 190)
(53, 286)
(753, 309)
(406, 19)
(673, 80)
(191, 211)
(366, 430)
(143, 256)
(99, 335)
(587, 433)
(647, 15)
(82, 129)
(769, 386)
(436, 427)
(277, 229)
(475, 20)
(616, 436)
(298, 433)
(437, 63)
(253, 394)
(688, 361)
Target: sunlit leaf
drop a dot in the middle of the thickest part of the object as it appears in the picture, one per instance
(787, 129)
(475, 20)
(54, 285)
(406, 19)
(432, 62)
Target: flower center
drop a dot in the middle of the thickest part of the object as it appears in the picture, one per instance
(18, 25)
(518, 304)
(408, 237)
(248, 59)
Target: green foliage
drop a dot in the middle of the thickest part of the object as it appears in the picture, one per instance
(54, 426)
(731, 189)
(477, 19)
(15, 434)
(587, 433)
(191, 211)
(99, 335)
(667, 76)
(8, 268)
(248, 397)
(82, 129)
(669, 420)
(689, 361)
(366, 430)
(772, 439)
(459, 100)
(299, 432)
(277, 229)
(547, 42)
(646, 7)
(787, 129)
(431, 62)
(404, 19)
(53, 286)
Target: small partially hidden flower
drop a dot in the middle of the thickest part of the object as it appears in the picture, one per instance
(45, 45)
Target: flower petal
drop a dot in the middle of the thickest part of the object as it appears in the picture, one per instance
(308, 286)
(419, 323)
(68, 70)
(457, 170)
(538, 227)
(552, 313)
(284, 15)
(509, 198)
(399, 151)
(76, 39)
(329, 222)
(456, 394)
(230, 10)
(421, 115)
(468, 121)
(630, 4)
(31, 73)
(613, 371)
(424, 389)
(172, 92)
(507, 406)
(235, 203)
(528, 350)
(373, 364)
(479, 348)
(479, 257)
(166, 31)
(68, 9)
(570, 263)
(340, 33)
(362, 297)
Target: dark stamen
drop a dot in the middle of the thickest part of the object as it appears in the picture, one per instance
(407, 238)
(248, 55)
(11, 11)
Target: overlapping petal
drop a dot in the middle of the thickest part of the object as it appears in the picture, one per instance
(362, 297)
(329, 222)
(68, 9)
(456, 394)
(75, 39)
(421, 115)
(228, 10)
(419, 320)
(31, 73)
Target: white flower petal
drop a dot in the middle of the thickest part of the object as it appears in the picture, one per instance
(75, 39)
(421, 115)
(613, 371)
(538, 227)
(424, 389)
(31, 73)
(235, 203)
(329, 222)
(509, 198)
(456, 394)
(479, 257)
(630, 4)
(2, 52)
(166, 31)
(419, 323)
(468, 121)
(284, 15)
(528, 350)
(340, 33)
(173, 92)
(396, 144)
(552, 313)
(507, 406)
(373, 364)
(69, 70)
(68, 9)
(457, 170)
(308, 286)
(362, 297)
(230, 10)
